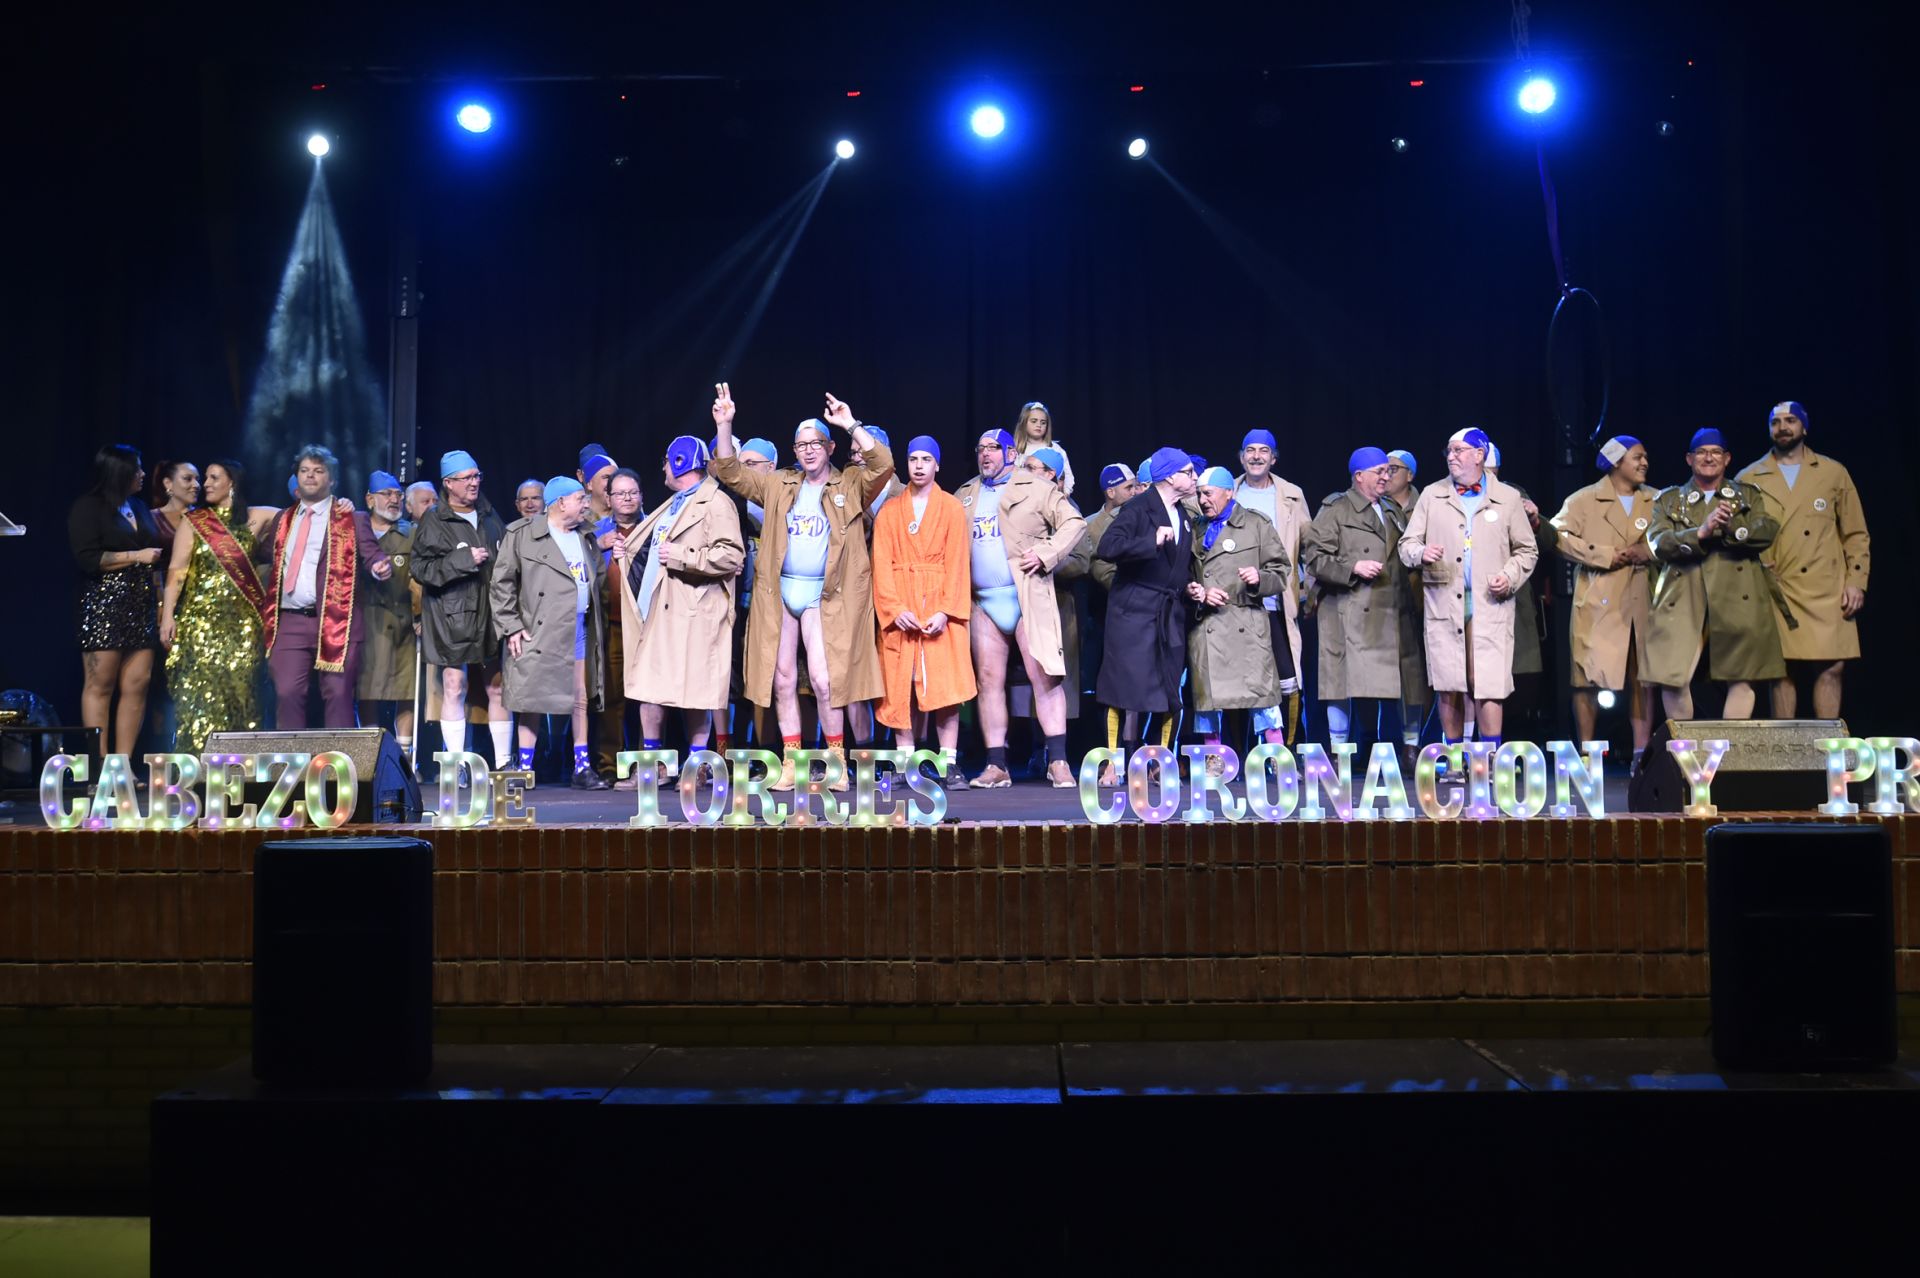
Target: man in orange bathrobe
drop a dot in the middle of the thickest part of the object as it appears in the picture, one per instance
(922, 596)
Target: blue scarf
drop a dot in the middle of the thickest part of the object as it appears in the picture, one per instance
(1214, 524)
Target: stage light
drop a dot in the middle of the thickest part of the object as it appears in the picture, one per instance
(1664, 128)
(474, 118)
(1137, 148)
(844, 149)
(989, 121)
(317, 145)
(1605, 699)
(1537, 95)
(1399, 145)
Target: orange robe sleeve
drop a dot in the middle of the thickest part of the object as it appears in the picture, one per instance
(956, 599)
(888, 598)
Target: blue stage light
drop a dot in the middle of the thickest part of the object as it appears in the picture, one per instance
(989, 121)
(1537, 95)
(844, 149)
(318, 145)
(474, 118)
(1137, 148)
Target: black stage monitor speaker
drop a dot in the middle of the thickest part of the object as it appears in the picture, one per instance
(343, 961)
(1772, 765)
(389, 792)
(1800, 939)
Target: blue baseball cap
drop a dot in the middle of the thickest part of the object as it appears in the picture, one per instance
(1115, 474)
(1793, 406)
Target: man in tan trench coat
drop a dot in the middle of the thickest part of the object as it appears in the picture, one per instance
(1022, 526)
(676, 570)
(813, 584)
(1469, 537)
(1713, 589)
(1820, 558)
(1603, 530)
(1262, 491)
(1369, 651)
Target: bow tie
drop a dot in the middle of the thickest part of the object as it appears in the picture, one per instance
(1467, 490)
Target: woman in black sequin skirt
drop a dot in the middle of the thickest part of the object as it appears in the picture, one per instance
(115, 545)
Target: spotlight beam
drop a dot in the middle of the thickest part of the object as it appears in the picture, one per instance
(730, 360)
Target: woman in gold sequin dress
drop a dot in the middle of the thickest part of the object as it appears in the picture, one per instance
(211, 630)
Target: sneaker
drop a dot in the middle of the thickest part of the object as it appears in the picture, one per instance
(992, 778)
(785, 780)
(846, 773)
(631, 781)
(1061, 775)
(588, 779)
(955, 778)
(1109, 776)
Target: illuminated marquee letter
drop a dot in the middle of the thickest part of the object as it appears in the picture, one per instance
(1572, 775)
(1894, 783)
(226, 790)
(1270, 757)
(645, 770)
(1320, 774)
(53, 803)
(1384, 782)
(1200, 781)
(281, 811)
(1098, 812)
(867, 778)
(1520, 758)
(114, 804)
(510, 797)
(1146, 762)
(346, 793)
(718, 798)
(747, 787)
(1849, 759)
(171, 802)
(943, 763)
(1699, 775)
(1426, 780)
(479, 801)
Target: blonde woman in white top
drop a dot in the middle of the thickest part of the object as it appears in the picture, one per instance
(1034, 431)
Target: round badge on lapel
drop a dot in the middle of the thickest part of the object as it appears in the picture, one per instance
(1819, 503)
(1493, 516)
(1728, 491)
(399, 561)
(1641, 523)
(1740, 533)
(460, 545)
(1693, 495)
(1228, 543)
(840, 499)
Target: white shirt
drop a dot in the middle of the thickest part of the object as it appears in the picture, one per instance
(1174, 513)
(300, 583)
(471, 516)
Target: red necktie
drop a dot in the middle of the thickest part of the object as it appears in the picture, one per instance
(299, 551)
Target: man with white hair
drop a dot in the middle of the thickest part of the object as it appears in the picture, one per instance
(813, 589)
(1262, 491)
(1470, 538)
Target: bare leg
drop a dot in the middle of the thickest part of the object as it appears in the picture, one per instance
(1739, 701)
(652, 718)
(699, 728)
(1049, 691)
(1639, 704)
(1785, 698)
(1586, 713)
(786, 677)
(990, 673)
(1489, 715)
(102, 676)
(833, 719)
(1826, 691)
(136, 672)
(1453, 714)
(946, 727)
(453, 694)
(496, 693)
(1678, 702)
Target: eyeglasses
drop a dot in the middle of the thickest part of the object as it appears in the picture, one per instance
(1460, 450)
(1711, 454)
(472, 478)
(807, 443)
(623, 494)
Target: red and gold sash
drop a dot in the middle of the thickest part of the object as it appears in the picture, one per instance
(340, 569)
(233, 560)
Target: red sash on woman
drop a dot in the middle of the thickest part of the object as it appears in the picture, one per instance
(338, 571)
(232, 559)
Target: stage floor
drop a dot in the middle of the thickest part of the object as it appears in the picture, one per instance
(1022, 803)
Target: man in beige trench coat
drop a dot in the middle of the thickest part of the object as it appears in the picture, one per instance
(1022, 526)
(813, 584)
(1469, 537)
(1262, 491)
(1603, 530)
(676, 570)
(1820, 558)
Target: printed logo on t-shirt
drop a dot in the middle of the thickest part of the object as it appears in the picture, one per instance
(801, 526)
(987, 529)
(578, 570)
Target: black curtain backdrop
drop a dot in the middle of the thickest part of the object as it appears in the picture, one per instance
(1310, 279)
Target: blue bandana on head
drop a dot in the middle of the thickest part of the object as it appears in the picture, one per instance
(1405, 458)
(1217, 477)
(590, 452)
(1472, 437)
(998, 437)
(877, 433)
(1706, 437)
(1051, 459)
(1144, 471)
(761, 448)
(924, 444)
(1793, 406)
(1115, 474)
(686, 453)
(1613, 450)
(595, 464)
(1198, 462)
(1259, 437)
(813, 423)
(456, 461)
(381, 482)
(1366, 459)
(561, 486)
(1168, 462)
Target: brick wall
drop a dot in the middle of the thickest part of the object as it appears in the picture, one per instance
(123, 957)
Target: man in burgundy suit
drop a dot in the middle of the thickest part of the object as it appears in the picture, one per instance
(313, 553)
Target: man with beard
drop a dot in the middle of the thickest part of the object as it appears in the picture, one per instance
(813, 589)
(1820, 557)
(1365, 598)
(1262, 491)
(392, 647)
(1470, 538)
(453, 551)
(1713, 589)
(1023, 526)
(1603, 530)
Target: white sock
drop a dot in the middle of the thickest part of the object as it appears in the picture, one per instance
(1338, 720)
(454, 733)
(502, 730)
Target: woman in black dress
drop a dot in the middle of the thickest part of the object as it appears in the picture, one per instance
(115, 545)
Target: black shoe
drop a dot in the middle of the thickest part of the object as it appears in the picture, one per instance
(588, 779)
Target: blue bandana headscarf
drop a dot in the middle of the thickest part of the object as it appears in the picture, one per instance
(1167, 462)
(381, 482)
(1706, 437)
(595, 464)
(761, 448)
(1259, 437)
(1613, 450)
(924, 444)
(1405, 458)
(561, 486)
(1366, 459)
(1144, 471)
(1051, 459)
